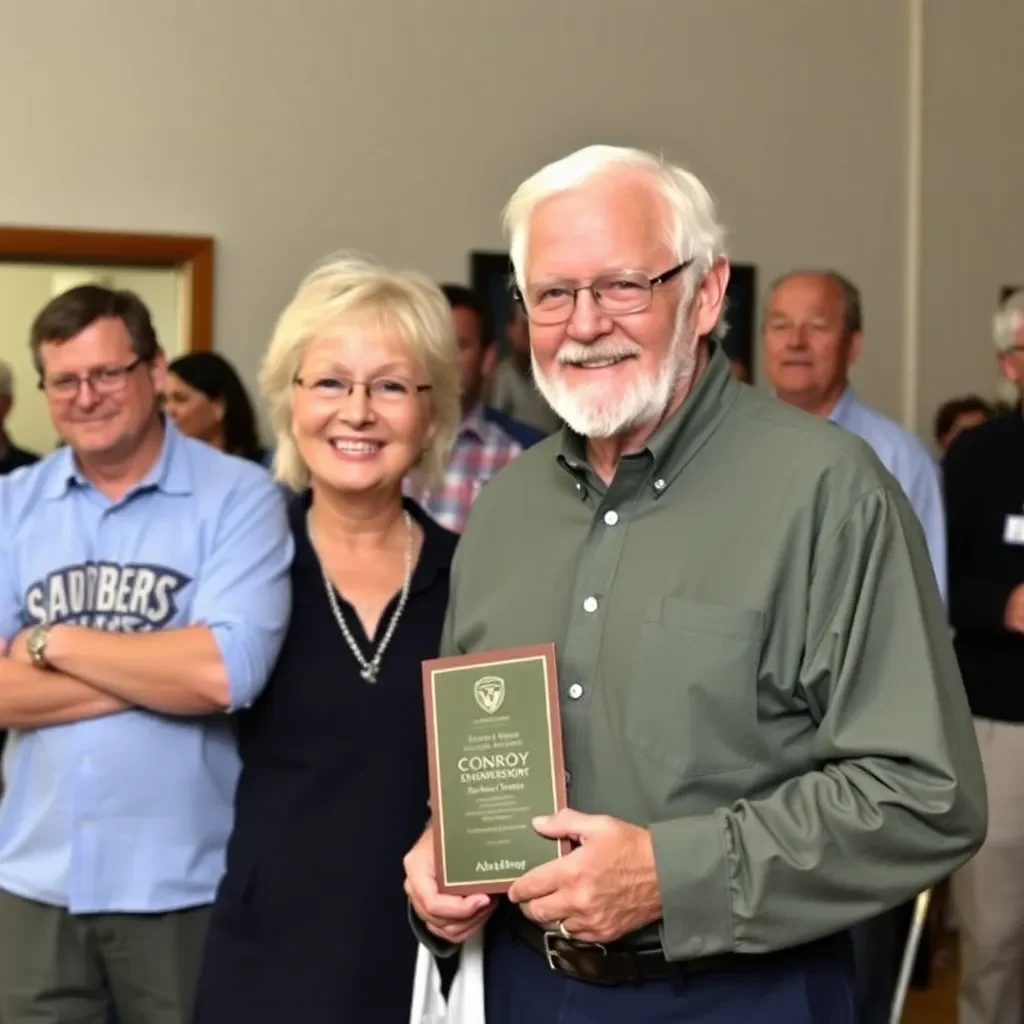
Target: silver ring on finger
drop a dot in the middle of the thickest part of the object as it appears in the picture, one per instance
(564, 932)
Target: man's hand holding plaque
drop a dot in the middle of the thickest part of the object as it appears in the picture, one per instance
(606, 888)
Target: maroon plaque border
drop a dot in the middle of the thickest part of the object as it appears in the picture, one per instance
(484, 659)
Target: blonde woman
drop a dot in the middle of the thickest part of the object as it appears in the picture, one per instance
(310, 924)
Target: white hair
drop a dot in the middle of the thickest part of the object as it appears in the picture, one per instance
(693, 231)
(1006, 324)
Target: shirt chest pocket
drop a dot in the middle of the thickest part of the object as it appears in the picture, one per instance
(692, 706)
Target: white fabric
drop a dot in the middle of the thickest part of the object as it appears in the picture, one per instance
(465, 1004)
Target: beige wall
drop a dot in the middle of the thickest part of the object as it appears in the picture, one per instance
(399, 128)
(973, 188)
(161, 291)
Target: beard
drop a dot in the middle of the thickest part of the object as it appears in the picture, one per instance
(601, 410)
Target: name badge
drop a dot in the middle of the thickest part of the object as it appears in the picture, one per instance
(1013, 531)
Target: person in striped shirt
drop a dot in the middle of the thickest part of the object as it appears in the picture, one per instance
(487, 440)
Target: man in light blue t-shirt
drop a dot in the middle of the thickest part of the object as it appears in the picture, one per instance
(143, 597)
(813, 327)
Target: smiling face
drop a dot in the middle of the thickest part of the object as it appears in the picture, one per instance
(108, 417)
(604, 374)
(360, 443)
(808, 349)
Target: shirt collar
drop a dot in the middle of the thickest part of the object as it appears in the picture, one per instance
(170, 473)
(842, 408)
(681, 436)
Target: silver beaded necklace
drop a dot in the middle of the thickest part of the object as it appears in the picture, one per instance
(371, 668)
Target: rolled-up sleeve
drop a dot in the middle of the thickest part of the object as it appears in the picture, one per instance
(895, 799)
(243, 592)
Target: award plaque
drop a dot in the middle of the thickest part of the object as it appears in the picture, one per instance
(494, 737)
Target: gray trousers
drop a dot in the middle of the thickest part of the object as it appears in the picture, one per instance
(989, 890)
(56, 968)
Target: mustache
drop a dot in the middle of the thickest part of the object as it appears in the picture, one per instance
(572, 353)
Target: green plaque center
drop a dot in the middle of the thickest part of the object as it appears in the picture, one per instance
(496, 763)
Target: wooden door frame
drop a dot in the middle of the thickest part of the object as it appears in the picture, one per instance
(193, 255)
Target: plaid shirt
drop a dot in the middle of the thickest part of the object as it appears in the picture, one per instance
(481, 448)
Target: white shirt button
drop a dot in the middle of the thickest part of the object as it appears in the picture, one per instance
(659, 484)
(575, 691)
(590, 604)
(611, 517)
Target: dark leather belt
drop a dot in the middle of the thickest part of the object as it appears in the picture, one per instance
(612, 965)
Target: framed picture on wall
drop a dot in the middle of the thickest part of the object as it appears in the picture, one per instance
(738, 341)
(490, 276)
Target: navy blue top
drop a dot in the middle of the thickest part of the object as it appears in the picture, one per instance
(985, 508)
(310, 922)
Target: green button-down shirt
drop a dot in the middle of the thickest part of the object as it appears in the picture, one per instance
(753, 661)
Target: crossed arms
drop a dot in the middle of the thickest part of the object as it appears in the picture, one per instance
(218, 661)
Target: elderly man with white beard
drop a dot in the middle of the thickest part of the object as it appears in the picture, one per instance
(766, 737)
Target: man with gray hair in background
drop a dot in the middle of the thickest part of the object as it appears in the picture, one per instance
(11, 456)
(766, 737)
(812, 332)
(984, 491)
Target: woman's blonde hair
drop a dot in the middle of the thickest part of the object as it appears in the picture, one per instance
(405, 301)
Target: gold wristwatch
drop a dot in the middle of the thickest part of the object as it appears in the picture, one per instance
(35, 642)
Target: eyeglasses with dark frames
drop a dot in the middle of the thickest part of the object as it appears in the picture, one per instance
(104, 380)
(617, 293)
(384, 390)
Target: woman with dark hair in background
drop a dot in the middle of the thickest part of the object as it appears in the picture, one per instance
(207, 400)
(958, 415)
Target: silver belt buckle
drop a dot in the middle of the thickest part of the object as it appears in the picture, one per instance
(551, 953)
